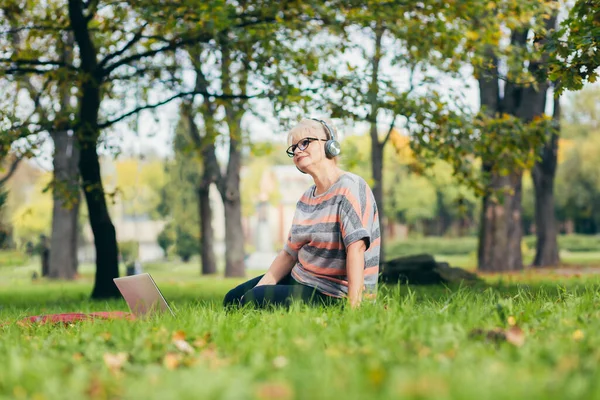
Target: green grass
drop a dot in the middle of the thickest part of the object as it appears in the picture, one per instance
(414, 343)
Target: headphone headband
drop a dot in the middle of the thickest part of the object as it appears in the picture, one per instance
(327, 128)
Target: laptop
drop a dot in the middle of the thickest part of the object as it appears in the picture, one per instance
(142, 295)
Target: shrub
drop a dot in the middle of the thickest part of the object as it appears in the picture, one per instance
(186, 245)
(128, 251)
(12, 258)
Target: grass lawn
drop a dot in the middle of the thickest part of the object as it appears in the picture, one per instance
(414, 343)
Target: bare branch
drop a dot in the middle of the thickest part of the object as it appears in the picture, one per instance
(136, 38)
(176, 96)
(11, 170)
(387, 137)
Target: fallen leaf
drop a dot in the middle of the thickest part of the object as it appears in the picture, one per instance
(171, 361)
(77, 356)
(272, 391)
(202, 341)
(178, 335)
(578, 335)
(515, 336)
(184, 346)
(280, 362)
(512, 321)
(115, 362)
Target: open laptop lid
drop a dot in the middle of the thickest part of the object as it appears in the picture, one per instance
(142, 295)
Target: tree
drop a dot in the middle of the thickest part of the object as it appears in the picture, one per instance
(574, 47)
(523, 98)
(393, 40)
(110, 56)
(65, 186)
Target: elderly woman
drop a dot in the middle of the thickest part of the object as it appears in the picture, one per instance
(332, 251)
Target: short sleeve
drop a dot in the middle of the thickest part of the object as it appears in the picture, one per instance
(290, 247)
(354, 223)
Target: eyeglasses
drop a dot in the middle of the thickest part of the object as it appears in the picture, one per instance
(302, 145)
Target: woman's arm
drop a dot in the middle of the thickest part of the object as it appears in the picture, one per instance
(355, 270)
(281, 266)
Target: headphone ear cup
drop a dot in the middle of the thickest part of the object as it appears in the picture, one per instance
(300, 170)
(332, 148)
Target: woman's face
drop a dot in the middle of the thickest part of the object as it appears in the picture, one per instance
(308, 149)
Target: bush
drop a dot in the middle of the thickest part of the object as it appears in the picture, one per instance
(12, 258)
(166, 239)
(186, 245)
(468, 245)
(128, 251)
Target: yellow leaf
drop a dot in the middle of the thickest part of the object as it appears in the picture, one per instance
(578, 335)
(472, 35)
(512, 321)
(178, 335)
(491, 5)
(171, 361)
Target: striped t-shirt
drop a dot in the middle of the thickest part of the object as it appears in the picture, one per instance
(324, 226)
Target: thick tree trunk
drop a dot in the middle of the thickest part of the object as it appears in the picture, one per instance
(232, 201)
(543, 174)
(65, 210)
(500, 231)
(105, 240)
(209, 264)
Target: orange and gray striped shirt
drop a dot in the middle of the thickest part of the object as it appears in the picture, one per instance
(324, 226)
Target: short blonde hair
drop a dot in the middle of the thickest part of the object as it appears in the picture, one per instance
(311, 128)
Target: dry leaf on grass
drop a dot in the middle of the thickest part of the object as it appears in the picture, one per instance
(184, 346)
(203, 341)
(178, 335)
(115, 362)
(578, 335)
(513, 335)
(274, 391)
(171, 361)
(280, 362)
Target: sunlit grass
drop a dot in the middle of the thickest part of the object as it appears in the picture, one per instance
(415, 342)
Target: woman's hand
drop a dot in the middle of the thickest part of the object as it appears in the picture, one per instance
(281, 266)
(355, 270)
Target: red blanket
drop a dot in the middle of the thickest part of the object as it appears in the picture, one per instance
(68, 318)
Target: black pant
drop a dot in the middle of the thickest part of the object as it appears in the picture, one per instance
(281, 294)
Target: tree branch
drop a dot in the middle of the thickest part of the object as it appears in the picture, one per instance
(136, 38)
(11, 170)
(170, 47)
(176, 96)
(387, 137)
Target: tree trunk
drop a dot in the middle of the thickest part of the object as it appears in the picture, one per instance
(65, 210)
(377, 171)
(376, 145)
(105, 240)
(543, 173)
(500, 231)
(232, 201)
(209, 264)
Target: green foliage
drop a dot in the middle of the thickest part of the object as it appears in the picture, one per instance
(129, 251)
(186, 244)
(166, 239)
(575, 47)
